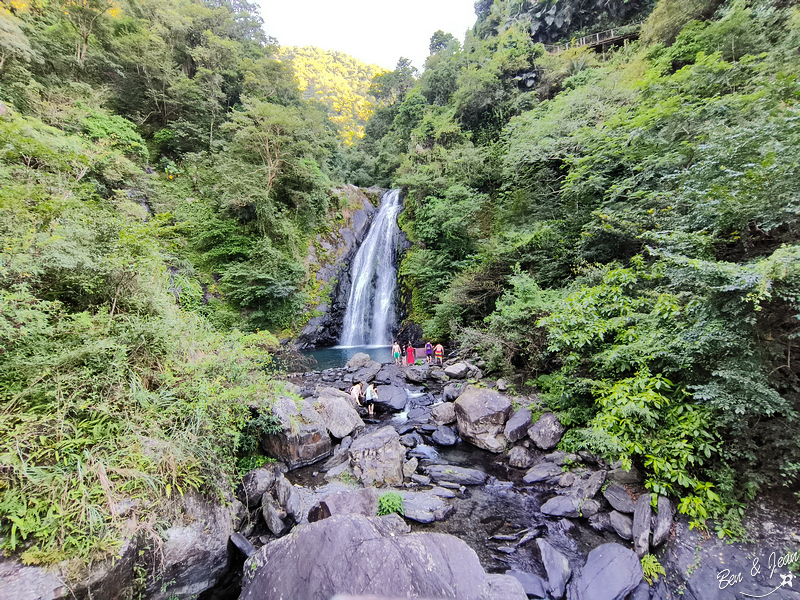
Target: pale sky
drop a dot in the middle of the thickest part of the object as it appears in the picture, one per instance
(373, 31)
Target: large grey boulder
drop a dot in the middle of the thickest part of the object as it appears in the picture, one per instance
(111, 578)
(193, 555)
(641, 525)
(562, 506)
(557, 568)
(541, 472)
(327, 390)
(459, 475)
(370, 556)
(444, 436)
(391, 398)
(662, 521)
(443, 414)
(517, 426)
(367, 373)
(357, 361)
(547, 431)
(611, 572)
(619, 498)
(481, 415)
(587, 488)
(622, 524)
(520, 457)
(415, 374)
(304, 439)
(457, 371)
(340, 418)
(452, 391)
(378, 457)
(424, 507)
(258, 482)
(353, 502)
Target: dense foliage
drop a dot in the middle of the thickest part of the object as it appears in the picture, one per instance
(160, 178)
(620, 226)
(337, 80)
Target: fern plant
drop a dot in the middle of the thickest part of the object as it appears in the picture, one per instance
(651, 568)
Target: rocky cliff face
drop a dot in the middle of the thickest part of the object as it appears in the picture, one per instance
(331, 254)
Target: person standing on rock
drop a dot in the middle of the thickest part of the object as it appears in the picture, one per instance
(429, 351)
(371, 395)
(355, 393)
(438, 353)
(397, 352)
(410, 354)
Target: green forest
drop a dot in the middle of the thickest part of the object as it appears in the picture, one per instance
(615, 227)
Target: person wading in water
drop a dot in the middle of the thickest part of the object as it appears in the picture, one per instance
(355, 393)
(371, 395)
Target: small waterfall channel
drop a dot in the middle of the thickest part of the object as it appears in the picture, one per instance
(370, 314)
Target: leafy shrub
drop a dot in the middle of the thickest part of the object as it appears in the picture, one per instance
(390, 502)
(247, 463)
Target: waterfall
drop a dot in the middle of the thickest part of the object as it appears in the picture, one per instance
(370, 313)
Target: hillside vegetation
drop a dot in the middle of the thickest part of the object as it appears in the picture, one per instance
(620, 226)
(338, 81)
(160, 177)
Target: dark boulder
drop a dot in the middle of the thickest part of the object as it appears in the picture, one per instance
(452, 391)
(444, 436)
(481, 415)
(541, 472)
(662, 521)
(258, 482)
(520, 457)
(619, 498)
(547, 431)
(370, 556)
(562, 506)
(622, 524)
(557, 568)
(378, 457)
(611, 572)
(641, 525)
(390, 398)
(517, 426)
(459, 475)
(304, 439)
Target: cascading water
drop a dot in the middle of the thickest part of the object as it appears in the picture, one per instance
(370, 313)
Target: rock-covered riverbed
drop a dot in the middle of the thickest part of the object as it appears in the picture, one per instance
(492, 511)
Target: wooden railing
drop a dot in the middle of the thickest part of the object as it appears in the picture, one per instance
(597, 39)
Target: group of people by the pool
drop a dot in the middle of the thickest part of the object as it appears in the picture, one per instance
(433, 355)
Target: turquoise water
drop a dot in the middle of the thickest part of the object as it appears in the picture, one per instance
(337, 357)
